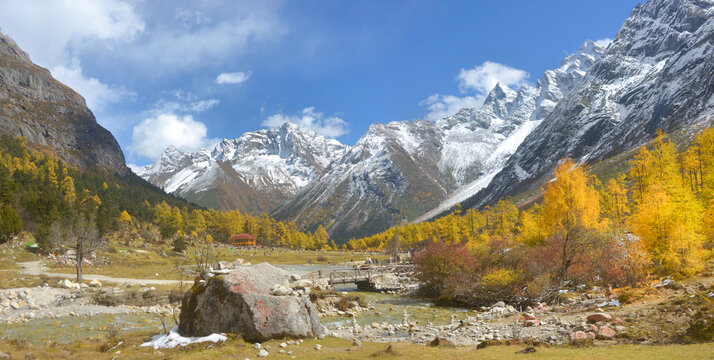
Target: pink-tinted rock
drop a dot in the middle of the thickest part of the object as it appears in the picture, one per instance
(591, 335)
(578, 335)
(240, 302)
(597, 317)
(590, 327)
(531, 323)
(605, 333)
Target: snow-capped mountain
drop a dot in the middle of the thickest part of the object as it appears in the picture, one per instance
(391, 173)
(402, 170)
(476, 155)
(658, 73)
(254, 172)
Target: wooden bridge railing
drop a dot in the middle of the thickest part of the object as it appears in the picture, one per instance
(358, 274)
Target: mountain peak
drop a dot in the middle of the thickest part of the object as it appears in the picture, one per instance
(290, 126)
(8, 47)
(656, 74)
(500, 91)
(62, 122)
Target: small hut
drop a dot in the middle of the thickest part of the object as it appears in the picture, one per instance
(243, 239)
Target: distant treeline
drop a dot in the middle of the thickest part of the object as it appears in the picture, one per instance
(37, 190)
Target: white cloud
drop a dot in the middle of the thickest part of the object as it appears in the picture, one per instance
(444, 105)
(185, 105)
(233, 78)
(135, 168)
(153, 135)
(484, 77)
(167, 51)
(95, 93)
(308, 118)
(53, 32)
(480, 80)
(603, 42)
(203, 105)
(190, 18)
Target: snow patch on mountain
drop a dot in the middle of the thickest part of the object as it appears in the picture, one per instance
(479, 141)
(286, 158)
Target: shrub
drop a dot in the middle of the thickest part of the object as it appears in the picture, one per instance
(179, 244)
(444, 269)
(501, 284)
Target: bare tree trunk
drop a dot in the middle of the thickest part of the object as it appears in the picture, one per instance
(79, 258)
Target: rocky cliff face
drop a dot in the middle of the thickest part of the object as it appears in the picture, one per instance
(50, 115)
(253, 173)
(657, 74)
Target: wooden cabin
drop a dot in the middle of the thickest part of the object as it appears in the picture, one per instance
(243, 239)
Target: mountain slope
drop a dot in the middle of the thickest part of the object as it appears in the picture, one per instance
(657, 74)
(402, 170)
(254, 172)
(529, 107)
(50, 115)
(391, 173)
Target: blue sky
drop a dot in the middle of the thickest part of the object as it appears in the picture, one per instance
(190, 72)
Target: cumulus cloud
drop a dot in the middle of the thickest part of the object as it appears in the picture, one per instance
(153, 135)
(233, 77)
(308, 118)
(484, 77)
(96, 94)
(478, 81)
(60, 29)
(444, 105)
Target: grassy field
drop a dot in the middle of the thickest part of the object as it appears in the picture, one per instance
(343, 349)
(157, 261)
(10, 279)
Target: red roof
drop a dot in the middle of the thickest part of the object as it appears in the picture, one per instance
(243, 236)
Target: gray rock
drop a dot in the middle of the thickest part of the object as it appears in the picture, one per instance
(301, 284)
(280, 290)
(241, 302)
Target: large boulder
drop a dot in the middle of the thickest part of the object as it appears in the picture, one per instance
(240, 302)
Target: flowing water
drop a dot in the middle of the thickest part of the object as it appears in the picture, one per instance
(387, 308)
(70, 328)
(390, 309)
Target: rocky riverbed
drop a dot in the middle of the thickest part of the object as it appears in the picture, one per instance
(496, 323)
(21, 305)
(656, 316)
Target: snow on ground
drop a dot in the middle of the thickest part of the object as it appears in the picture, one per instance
(173, 339)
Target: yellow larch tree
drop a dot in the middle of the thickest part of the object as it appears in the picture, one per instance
(667, 217)
(571, 215)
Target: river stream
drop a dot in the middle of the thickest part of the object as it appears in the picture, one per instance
(387, 309)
